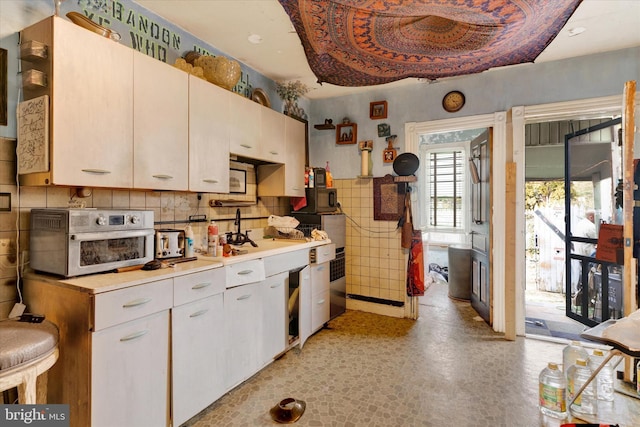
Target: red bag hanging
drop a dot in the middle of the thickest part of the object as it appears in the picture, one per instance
(415, 267)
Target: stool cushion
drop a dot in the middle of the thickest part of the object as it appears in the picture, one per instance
(22, 342)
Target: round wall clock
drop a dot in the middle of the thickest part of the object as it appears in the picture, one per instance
(453, 101)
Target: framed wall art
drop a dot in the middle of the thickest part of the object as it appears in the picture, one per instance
(384, 130)
(237, 181)
(346, 133)
(388, 199)
(378, 110)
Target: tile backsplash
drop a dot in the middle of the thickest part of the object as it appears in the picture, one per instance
(374, 258)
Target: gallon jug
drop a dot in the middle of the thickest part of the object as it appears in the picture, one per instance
(553, 392)
(604, 379)
(571, 353)
(577, 375)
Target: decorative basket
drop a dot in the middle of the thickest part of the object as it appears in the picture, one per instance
(219, 70)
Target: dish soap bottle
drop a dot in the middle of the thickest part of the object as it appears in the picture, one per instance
(311, 178)
(329, 177)
(189, 246)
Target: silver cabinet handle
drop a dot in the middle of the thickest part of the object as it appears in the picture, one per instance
(136, 302)
(321, 302)
(96, 171)
(244, 297)
(210, 181)
(134, 335)
(162, 176)
(201, 285)
(320, 267)
(277, 285)
(199, 313)
(275, 153)
(244, 272)
(246, 146)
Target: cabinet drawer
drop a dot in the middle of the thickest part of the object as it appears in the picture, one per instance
(285, 262)
(325, 253)
(199, 285)
(245, 272)
(112, 308)
(320, 277)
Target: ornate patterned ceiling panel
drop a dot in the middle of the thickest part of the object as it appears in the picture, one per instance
(369, 42)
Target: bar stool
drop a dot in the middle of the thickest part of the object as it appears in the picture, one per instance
(27, 350)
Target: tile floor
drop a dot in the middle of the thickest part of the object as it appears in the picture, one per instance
(445, 369)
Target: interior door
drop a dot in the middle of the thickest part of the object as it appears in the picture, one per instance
(593, 168)
(480, 171)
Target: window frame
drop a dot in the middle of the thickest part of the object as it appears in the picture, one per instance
(425, 155)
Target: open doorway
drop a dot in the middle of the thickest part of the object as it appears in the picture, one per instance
(556, 221)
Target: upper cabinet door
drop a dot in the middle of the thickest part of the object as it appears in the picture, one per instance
(272, 135)
(245, 126)
(160, 125)
(295, 143)
(208, 137)
(92, 113)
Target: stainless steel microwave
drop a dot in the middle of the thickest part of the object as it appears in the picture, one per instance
(320, 199)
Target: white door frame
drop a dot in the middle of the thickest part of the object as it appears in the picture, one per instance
(520, 116)
(498, 122)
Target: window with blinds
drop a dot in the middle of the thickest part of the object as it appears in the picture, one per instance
(446, 189)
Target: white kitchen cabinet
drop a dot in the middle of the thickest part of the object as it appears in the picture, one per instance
(288, 179)
(304, 313)
(243, 332)
(90, 88)
(295, 141)
(244, 121)
(272, 138)
(274, 317)
(198, 356)
(130, 373)
(320, 305)
(197, 342)
(160, 125)
(209, 136)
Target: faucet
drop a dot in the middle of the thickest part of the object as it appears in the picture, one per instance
(238, 238)
(237, 222)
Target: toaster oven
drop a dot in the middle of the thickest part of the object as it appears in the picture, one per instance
(74, 242)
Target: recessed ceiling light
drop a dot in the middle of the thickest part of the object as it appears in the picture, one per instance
(576, 30)
(255, 38)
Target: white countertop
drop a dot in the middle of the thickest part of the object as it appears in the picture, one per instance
(105, 282)
(266, 247)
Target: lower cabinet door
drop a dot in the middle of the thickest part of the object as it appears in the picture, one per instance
(274, 317)
(320, 310)
(130, 373)
(243, 332)
(198, 356)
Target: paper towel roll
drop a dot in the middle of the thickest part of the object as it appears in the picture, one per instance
(364, 169)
